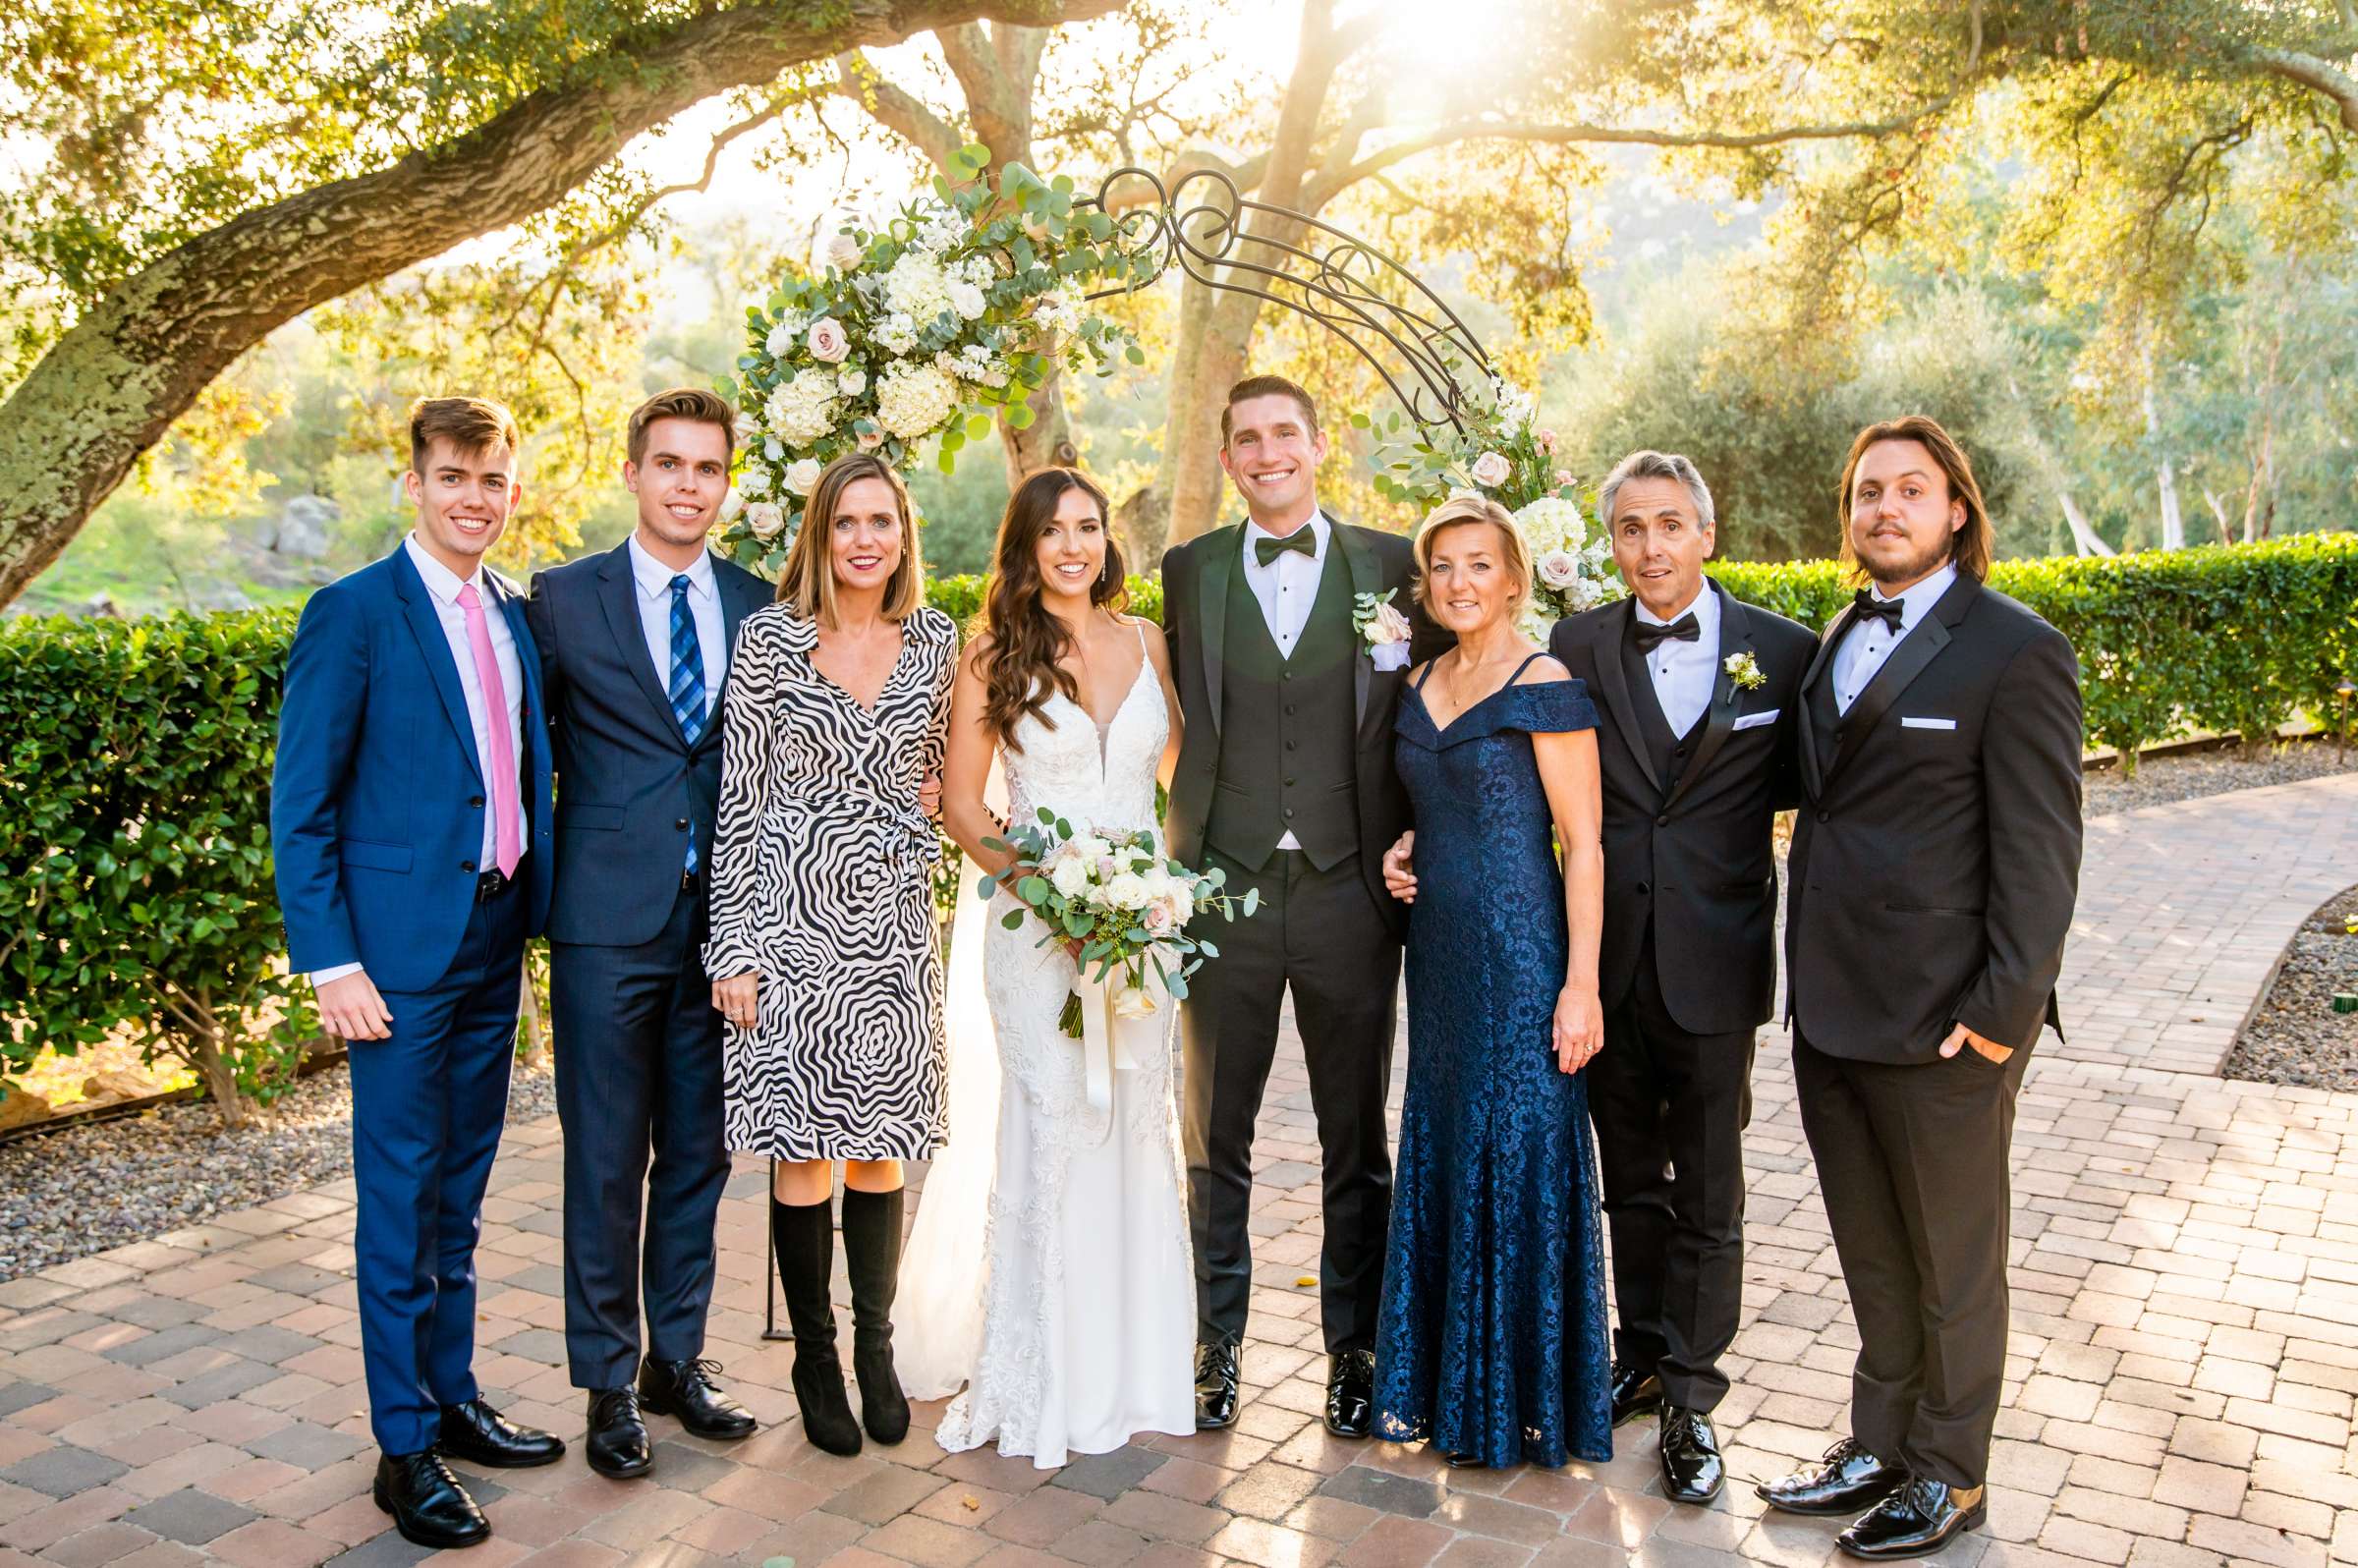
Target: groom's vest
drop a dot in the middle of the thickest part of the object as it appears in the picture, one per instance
(1287, 728)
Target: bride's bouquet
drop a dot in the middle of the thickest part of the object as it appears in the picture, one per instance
(1121, 900)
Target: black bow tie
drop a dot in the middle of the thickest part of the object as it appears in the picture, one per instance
(1682, 629)
(1267, 549)
(1867, 606)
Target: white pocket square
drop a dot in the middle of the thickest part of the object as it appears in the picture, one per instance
(1928, 724)
(1753, 721)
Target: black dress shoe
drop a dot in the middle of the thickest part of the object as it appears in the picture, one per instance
(1216, 1385)
(1692, 1471)
(684, 1389)
(1915, 1520)
(480, 1435)
(429, 1506)
(1636, 1391)
(1351, 1393)
(617, 1444)
(1847, 1480)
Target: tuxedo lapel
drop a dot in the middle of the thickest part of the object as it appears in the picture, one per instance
(1719, 718)
(1813, 778)
(426, 624)
(1219, 553)
(1908, 661)
(1367, 577)
(1606, 657)
(618, 596)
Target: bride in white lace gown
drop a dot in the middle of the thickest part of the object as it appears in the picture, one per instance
(1049, 1269)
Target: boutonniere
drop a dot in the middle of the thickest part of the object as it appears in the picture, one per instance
(1382, 628)
(1744, 672)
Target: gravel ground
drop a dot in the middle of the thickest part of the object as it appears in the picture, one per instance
(2159, 780)
(66, 1194)
(2294, 1035)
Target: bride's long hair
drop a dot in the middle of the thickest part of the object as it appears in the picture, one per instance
(1022, 663)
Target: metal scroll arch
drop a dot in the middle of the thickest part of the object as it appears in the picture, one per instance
(1209, 229)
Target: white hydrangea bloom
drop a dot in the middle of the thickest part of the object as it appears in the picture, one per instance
(915, 288)
(897, 333)
(802, 410)
(914, 400)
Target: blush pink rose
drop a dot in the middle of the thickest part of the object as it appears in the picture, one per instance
(1491, 470)
(830, 343)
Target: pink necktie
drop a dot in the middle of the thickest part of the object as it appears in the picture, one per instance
(503, 753)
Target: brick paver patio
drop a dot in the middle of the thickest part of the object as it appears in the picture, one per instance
(2185, 1349)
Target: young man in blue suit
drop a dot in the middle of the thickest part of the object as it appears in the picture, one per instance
(634, 655)
(410, 817)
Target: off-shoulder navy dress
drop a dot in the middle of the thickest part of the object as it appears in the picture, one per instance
(1492, 1344)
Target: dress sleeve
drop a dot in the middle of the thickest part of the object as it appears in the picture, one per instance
(1550, 708)
(749, 715)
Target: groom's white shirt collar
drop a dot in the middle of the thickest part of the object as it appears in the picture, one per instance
(1705, 607)
(1320, 530)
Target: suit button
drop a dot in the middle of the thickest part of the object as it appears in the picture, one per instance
(466, 865)
(1645, 887)
(1289, 781)
(1287, 676)
(1289, 711)
(475, 800)
(1680, 751)
(1823, 815)
(1289, 746)
(1661, 821)
(1289, 812)
(681, 825)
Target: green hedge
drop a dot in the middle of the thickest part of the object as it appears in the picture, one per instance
(139, 771)
(2227, 639)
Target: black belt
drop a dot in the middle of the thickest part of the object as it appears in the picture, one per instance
(491, 884)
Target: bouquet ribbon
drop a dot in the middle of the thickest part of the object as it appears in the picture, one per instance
(1120, 1022)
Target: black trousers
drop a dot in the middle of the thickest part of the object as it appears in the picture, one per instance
(1912, 1161)
(1321, 934)
(638, 1047)
(1670, 1110)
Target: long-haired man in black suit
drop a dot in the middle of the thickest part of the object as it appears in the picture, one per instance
(1934, 870)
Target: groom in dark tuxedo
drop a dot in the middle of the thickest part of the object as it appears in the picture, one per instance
(1701, 692)
(1285, 783)
(1934, 865)
(635, 645)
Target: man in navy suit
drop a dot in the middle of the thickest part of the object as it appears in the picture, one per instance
(410, 821)
(634, 653)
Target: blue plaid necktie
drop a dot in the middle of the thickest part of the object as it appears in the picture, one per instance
(687, 677)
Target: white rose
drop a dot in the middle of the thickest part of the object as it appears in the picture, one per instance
(1068, 876)
(802, 475)
(1558, 569)
(828, 341)
(732, 503)
(780, 341)
(844, 253)
(852, 383)
(766, 518)
(967, 300)
(1491, 470)
(747, 428)
(1126, 891)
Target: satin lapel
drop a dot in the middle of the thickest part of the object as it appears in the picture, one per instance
(1219, 553)
(1605, 655)
(1907, 661)
(427, 626)
(1719, 719)
(1811, 778)
(618, 596)
(1367, 577)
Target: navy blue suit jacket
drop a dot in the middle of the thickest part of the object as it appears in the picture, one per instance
(377, 800)
(630, 788)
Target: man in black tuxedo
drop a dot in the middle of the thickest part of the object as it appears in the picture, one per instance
(1285, 783)
(1701, 692)
(1934, 865)
(635, 650)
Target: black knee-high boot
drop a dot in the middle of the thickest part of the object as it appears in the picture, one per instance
(806, 1241)
(872, 1246)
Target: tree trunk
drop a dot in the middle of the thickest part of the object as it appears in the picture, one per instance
(2173, 522)
(109, 388)
(2218, 512)
(2083, 538)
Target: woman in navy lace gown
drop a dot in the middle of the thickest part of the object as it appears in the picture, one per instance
(1492, 1344)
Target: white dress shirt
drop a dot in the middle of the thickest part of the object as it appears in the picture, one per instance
(653, 579)
(1864, 651)
(1685, 672)
(442, 587)
(1286, 589)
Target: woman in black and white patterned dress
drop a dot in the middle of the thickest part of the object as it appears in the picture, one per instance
(823, 949)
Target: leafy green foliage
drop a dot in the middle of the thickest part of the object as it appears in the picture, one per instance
(2225, 638)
